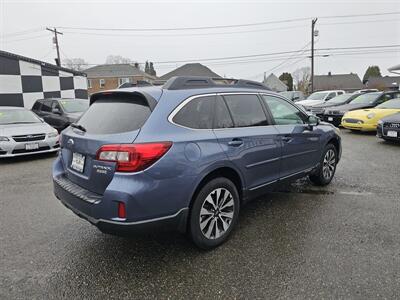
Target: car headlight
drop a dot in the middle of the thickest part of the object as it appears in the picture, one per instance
(370, 116)
(52, 134)
(4, 139)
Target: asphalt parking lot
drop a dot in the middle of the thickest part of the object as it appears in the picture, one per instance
(341, 241)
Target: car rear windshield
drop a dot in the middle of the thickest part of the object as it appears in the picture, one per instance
(368, 98)
(391, 104)
(340, 99)
(317, 96)
(74, 105)
(112, 114)
(18, 116)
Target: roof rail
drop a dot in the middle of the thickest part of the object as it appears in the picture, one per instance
(198, 82)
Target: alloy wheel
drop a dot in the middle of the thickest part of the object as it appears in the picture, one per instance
(216, 213)
(329, 163)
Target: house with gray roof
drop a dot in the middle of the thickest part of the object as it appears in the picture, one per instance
(111, 76)
(347, 82)
(383, 83)
(274, 83)
(192, 69)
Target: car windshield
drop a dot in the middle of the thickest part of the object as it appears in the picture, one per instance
(17, 116)
(288, 95)
(368, 98)
(74, 105)
(340, 99)
(391, 104)
(317, 96)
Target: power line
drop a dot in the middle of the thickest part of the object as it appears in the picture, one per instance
(222, 26)
(290, 58)
(185, 34)
(274, 53)
(23, 32)
(25, 39)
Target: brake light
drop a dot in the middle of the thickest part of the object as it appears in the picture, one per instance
(133, 157)
(121, 210)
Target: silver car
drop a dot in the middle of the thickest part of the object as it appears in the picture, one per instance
(22, 133)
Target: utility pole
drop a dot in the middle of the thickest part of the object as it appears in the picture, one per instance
(313, 21)
(55, 41)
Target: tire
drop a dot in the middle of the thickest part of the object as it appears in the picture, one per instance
(324, 175)
(217, 204)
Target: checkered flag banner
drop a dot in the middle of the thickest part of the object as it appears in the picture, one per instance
(24, 80)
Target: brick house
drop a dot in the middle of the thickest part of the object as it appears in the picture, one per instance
(105, 77)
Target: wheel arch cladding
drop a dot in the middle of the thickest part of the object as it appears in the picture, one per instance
(226, 172)
(334, 141)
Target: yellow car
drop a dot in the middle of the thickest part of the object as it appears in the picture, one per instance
(367, 119)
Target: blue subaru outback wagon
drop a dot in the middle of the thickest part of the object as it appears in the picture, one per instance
(186, 156)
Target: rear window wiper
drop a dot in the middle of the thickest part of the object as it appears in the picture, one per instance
(77, 126)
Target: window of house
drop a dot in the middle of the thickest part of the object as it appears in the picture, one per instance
(123, 80)
(102, 83)
(89, 83)
(246, 110)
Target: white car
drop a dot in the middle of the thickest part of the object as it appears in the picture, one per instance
(22, 133)
(319, 98)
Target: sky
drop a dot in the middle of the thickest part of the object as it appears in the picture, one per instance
(23, 23)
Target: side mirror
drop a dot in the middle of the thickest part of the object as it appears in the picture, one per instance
(313, 120)
(296, 98)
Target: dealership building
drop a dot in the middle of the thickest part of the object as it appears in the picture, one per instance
(24, 80)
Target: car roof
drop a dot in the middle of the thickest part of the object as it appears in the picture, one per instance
(12, 108)
(60, 99)
(156, 91)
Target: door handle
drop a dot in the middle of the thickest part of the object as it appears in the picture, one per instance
(287, 139)
(235, 143)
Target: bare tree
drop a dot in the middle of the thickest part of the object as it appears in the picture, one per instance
(77, 64)
(118, 59)
(302, 78)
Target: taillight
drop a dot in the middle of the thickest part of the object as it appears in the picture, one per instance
(121, 210)
(133, 157)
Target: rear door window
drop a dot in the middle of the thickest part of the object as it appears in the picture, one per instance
(197, 114)
(222, 117)
(246, 110)
(115, 114)
(36, 106)
(46, 106)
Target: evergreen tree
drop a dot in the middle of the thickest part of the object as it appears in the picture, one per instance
(287, 79)
(372, 71)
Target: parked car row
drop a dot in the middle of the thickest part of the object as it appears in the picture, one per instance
(363, 110)
(24, 131)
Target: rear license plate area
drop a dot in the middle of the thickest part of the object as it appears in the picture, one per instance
(78, 162)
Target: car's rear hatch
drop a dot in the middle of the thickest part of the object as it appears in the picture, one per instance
(112, 118)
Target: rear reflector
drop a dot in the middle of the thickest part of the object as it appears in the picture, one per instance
(121, 210)
(133, 157)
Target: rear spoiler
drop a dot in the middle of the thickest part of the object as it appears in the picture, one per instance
(150, 101)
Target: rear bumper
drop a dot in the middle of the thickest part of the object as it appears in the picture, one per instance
(92, 207)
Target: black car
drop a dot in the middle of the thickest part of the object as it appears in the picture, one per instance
(336, 101)
(389, 128)
(334, 114)
(59, 112)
